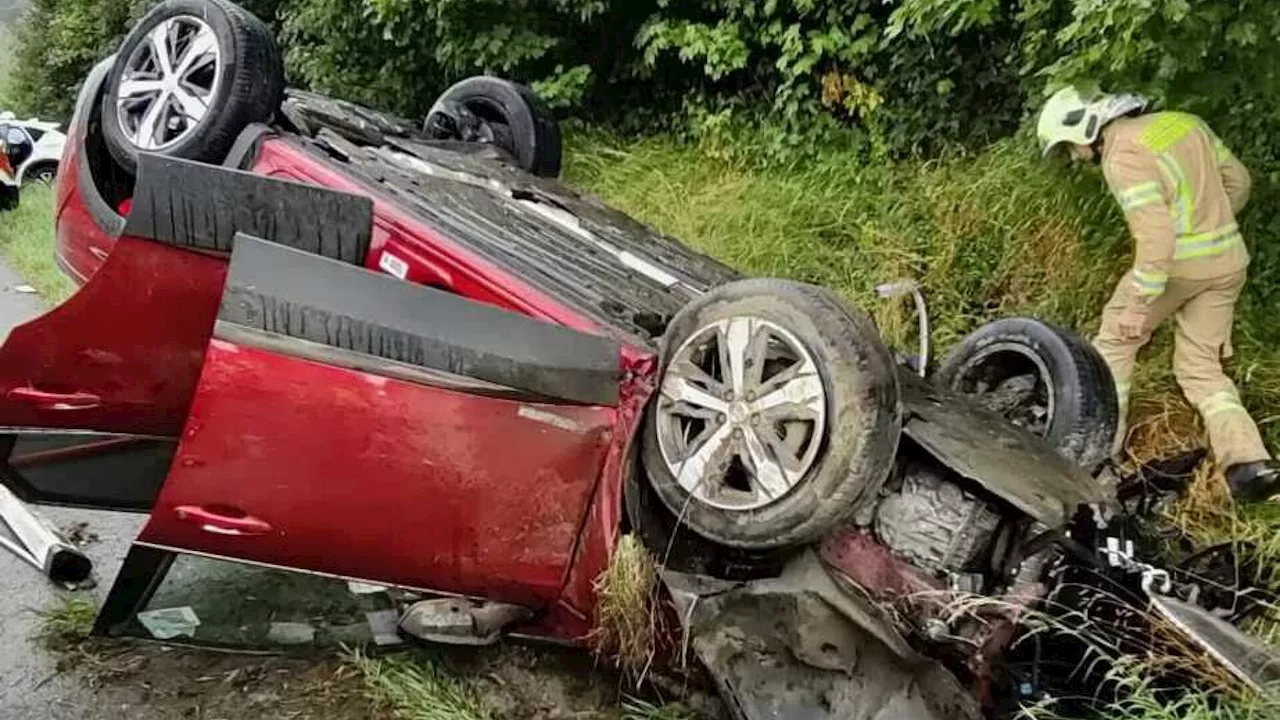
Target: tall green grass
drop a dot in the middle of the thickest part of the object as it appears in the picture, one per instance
(416, 687)
(990, 235)
(26, 241)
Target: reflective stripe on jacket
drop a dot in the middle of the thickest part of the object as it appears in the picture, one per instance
(1180, 189)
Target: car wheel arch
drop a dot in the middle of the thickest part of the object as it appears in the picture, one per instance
(32, 170)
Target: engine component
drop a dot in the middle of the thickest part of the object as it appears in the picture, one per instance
(934, 522)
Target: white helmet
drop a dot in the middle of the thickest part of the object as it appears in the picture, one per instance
(1077, 115)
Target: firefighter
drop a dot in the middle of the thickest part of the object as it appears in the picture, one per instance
(1180, 189)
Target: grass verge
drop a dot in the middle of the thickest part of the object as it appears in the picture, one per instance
(991, 235)
(26, 241)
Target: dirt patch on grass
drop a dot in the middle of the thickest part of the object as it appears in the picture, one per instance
(152, 682)
(507, 682)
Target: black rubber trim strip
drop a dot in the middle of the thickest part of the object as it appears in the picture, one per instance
(202, 207)
(280, 290)
(352, 360)
(245, 149)
(104, 216)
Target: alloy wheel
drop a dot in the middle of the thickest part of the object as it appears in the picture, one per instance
(169, 83)
(742, 413)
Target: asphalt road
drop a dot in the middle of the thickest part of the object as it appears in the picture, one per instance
(30, 686)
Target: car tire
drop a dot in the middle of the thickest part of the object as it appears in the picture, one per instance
(1042, 377)
(243, 84)
(9, 197)
(838, 429)
(45, 172)
(498, 112)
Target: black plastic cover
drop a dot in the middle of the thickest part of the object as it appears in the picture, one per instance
(202, 207)
(281, 290)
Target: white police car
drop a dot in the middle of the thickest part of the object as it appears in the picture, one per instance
(43, 143)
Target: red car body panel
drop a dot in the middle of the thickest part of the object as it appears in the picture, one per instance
(431, 258)
(121, 355)
(293, 463)
(381, 479)
(81, 245)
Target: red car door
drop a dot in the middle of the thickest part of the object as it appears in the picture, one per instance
(351, 424)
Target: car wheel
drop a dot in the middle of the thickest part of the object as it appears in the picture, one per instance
(777, 412)
(188, 79)
(504, 114)
(8, 198)
(1043, 378)
(45, 173)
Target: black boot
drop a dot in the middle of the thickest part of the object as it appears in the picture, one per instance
(1251, 482)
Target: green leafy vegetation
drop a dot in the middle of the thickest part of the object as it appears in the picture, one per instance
(904, 77)
(8, 46)
(68, 624)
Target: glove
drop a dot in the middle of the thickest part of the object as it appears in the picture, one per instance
(1133, 322)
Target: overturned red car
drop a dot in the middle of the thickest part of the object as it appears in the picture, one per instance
(314, 337)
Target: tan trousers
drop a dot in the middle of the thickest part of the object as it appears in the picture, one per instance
(1203, 311)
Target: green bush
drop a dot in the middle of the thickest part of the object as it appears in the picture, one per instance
(912, 76)
(59, 41)
(400, 54)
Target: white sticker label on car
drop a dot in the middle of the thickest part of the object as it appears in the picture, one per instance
(546, 418)
(394, 265)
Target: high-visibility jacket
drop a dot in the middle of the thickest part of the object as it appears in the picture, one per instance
(1180, 189)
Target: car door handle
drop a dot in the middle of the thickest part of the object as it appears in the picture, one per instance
(219, 522)
(54, 401)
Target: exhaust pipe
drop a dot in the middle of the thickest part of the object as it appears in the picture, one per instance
(39, 543)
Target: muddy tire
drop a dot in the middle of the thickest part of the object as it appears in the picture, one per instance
(501, 113)
(208, 67)
(1043, 378)
(777, 413)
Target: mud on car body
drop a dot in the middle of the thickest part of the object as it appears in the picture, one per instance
(315, 337)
